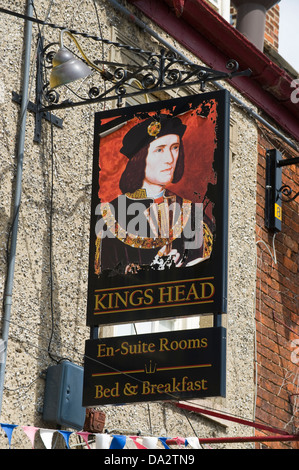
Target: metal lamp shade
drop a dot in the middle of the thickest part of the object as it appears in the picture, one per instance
(66, 68)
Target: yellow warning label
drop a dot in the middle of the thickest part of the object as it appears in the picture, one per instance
(278, 212)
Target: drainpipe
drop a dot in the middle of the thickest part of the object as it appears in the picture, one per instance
(251, 19)
(17, 201)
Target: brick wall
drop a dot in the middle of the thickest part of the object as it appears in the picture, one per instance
(277, 322)
(272, 27)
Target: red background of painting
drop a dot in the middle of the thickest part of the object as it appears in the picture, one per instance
(199, 144)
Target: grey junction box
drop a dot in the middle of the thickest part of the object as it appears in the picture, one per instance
(63, 395)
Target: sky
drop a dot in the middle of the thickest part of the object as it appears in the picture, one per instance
(289, 32)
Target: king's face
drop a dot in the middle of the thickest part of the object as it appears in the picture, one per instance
(161, 160)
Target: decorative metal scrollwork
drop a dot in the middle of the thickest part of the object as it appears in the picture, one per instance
(51, 96)
(94, 92)
(287, 191)
(148, 81)
(157, 72)
(232, 65)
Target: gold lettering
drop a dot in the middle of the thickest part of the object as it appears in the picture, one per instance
(194, 343)
(151, 347)
(146, 390)
(160, 388)
(197, 385)
(204, 384)
(104, 351)
(98, 302)
(148, 295)
(192, 292)
(124, 348)
(179, 293)
(183, 344)
(110, 297)
(102, 392)
(167, 294)
(101, 350)
(99, 389)
(132, 298)
(174, 386)
(164, 344)
(119, 297)
(204, 294)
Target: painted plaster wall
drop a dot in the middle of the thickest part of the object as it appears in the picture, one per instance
(50, 295)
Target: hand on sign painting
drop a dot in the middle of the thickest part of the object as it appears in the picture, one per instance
(167, 258)
(132, 268)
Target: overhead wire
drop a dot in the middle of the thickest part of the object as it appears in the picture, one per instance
(225, 415)
(134, 49)
(251, 113)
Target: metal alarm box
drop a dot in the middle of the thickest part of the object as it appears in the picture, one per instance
(63, 395)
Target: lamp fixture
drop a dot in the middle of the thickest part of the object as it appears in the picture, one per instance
(152, 72)
(66, 67)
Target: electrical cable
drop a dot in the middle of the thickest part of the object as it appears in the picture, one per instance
(225, 415)
(273, 256)
(51, 249)
(51, 242)
(51, 200)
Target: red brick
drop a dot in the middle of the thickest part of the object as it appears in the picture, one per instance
(290, 265)
(276, 298)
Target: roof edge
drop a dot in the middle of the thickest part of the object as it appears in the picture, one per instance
(199, 28)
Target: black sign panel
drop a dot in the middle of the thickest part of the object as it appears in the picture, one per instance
(173, 365)
(158, 234)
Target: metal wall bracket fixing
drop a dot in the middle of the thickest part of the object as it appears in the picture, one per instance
(275, 190)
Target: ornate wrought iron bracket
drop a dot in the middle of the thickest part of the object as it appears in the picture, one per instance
(159, 72)
(153, 72)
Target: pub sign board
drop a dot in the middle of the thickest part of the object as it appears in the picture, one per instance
(172, 365)
(158, 233)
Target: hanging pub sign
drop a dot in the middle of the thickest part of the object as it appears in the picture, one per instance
(158, 236)
(174, 365)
